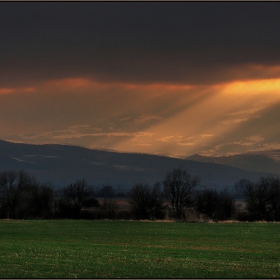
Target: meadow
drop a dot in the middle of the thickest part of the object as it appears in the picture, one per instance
(138, 249)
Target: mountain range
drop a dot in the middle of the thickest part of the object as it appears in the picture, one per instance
(64, 164)
(264, 161)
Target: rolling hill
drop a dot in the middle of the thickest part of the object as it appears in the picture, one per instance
(256, 162)
(63, 164)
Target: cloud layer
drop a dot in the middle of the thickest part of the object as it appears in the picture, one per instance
(187, 43)
(172, 78)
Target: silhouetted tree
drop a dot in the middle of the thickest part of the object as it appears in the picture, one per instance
(108, 208)
(273, 197)
(11, 184)
(146, 202)
(263, 199)
(217, 206)
(178, 189)
(76, 197)
(42, 200)
(206, 202)
(23, 196)
(157, 207)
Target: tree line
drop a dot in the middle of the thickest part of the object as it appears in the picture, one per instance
(179, 197)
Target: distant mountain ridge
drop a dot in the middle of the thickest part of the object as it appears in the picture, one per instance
(266, 161)
(64, 164)
(273, 154)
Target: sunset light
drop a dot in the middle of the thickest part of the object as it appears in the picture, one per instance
(171, 84)
(139, 139)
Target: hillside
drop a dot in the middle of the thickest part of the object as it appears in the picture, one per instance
(63, 164)
(255, 162)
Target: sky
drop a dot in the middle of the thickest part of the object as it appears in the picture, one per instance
(168, 78)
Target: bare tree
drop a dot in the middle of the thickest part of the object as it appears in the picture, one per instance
(274, 198)
(75, 197)
(40, 203)
(109, 208)
(146, 202)
(178, 189)
(217, 206)
(11, 184)
(262, 198)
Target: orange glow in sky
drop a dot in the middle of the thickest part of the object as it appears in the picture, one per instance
(171, 119)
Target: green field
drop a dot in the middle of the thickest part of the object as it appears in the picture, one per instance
(131, 249)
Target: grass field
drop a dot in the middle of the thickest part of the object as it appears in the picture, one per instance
(130, 249)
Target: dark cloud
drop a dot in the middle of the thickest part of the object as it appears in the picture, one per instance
(182, 42)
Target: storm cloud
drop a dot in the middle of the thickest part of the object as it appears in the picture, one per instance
(139, 42)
